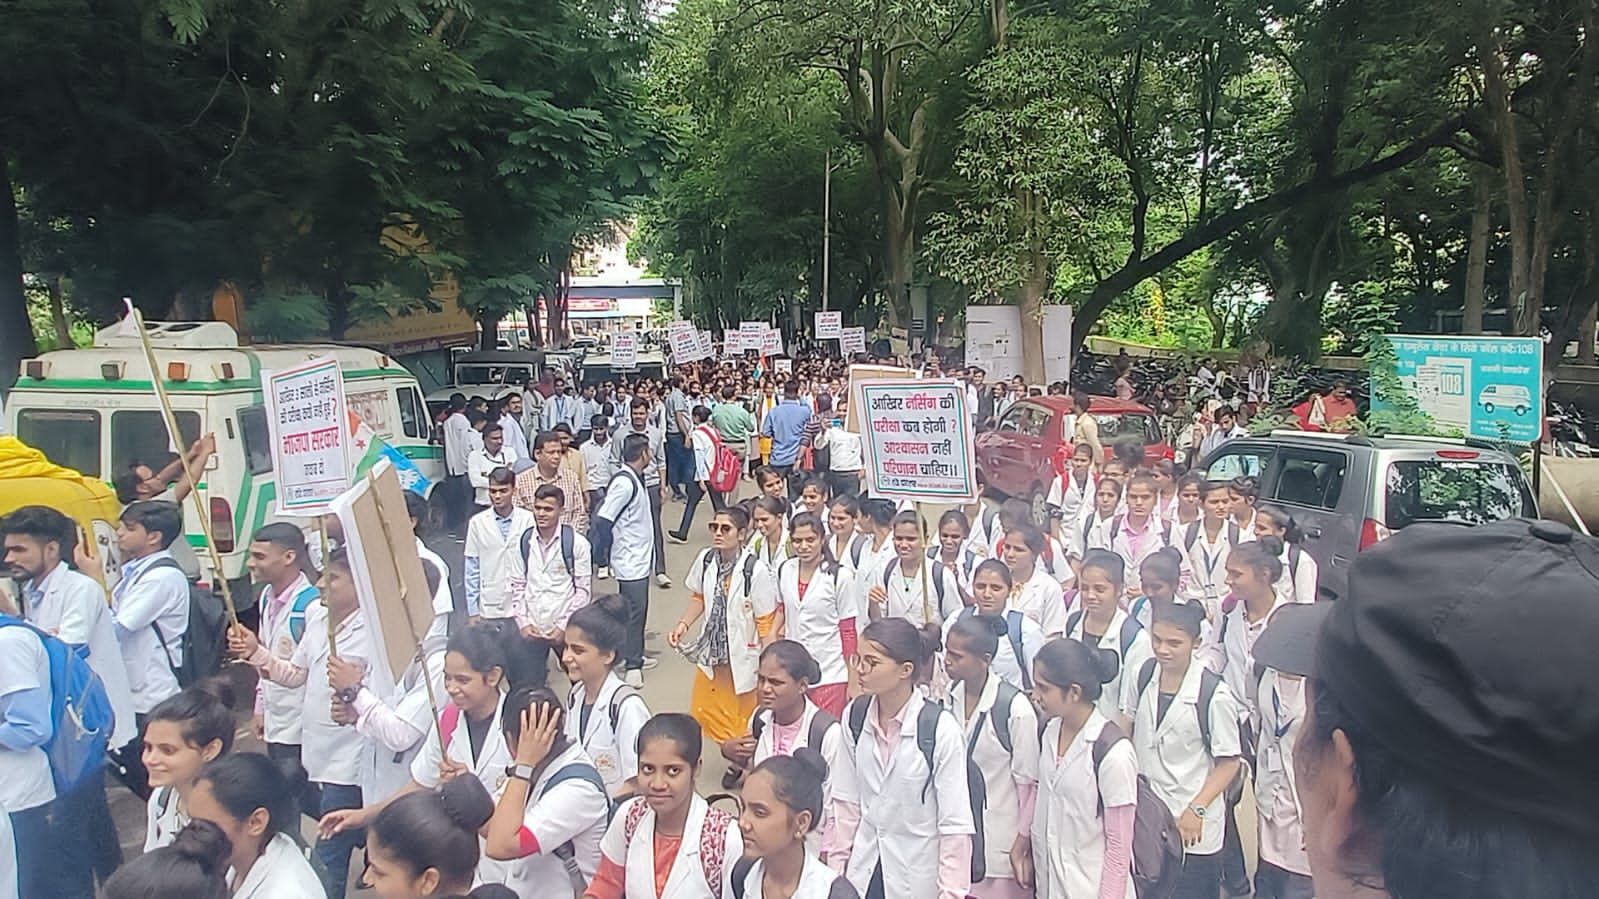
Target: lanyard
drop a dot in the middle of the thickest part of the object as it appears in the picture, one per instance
(1277, 714)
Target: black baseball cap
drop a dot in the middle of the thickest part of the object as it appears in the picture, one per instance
(1470, 654)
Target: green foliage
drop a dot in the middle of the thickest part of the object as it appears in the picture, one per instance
(1393, 409)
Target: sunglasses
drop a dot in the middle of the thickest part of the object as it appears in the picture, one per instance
(718, 527)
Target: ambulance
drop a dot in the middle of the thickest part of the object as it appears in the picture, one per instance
(94, 410)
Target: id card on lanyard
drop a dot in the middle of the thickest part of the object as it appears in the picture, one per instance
(1211, 591)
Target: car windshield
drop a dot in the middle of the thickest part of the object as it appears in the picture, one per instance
(1466, 491)
(489, 374)
(1114, 427)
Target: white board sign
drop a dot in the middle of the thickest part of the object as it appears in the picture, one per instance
(772, 342)
(624, 351)
(783, 366)
(994, 340)
(310, 435)
(705, 345)
(1057, 344)
(683, 339)
(852, 340)
(828, 324)
(917, 434)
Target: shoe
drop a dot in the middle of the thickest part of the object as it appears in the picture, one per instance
(662, 581)
(675, 537)
(602, 572)
(650, 662)
(633, 678)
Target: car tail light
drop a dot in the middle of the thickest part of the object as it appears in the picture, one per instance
(222, 524)
(1371, 532)
(1458, 454)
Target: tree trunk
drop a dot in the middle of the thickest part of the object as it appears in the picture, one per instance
(1586, 335)
(898, 248)
(1030, 299)
(488, 328)
(58, 313)
(16, 332)
(1477, 253)
(1524, 320)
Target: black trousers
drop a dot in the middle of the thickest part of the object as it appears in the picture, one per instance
(692, 501)
(636, 597)
(655, 515)
(289, 753)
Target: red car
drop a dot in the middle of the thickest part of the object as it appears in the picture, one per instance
(1017, 456)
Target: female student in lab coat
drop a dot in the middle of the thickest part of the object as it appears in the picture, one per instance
(991, 595)
(817, 611)
(602, 713)
(1010, 774)
(1284, 869)
(182, 734)
(1099, 621)
(668, 843)
(769, 520)
(1187, 771)
(551, 811)
(424, 845)
(956, 553)
(193, 864)
(1082, 826)
(783, 800)
(900, 831)
(1071, 494)
(1034, 593)
(912, 586)
(473, 740)
(1298, 580)
(251, 799)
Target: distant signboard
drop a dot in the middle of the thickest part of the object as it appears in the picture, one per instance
(310, 435)
(918, 439)
(772, 342)
(1490, 387)
(624, 351)
(684, 341)
(783, 366)
(828, 325)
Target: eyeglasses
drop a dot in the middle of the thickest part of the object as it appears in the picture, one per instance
(718, 527)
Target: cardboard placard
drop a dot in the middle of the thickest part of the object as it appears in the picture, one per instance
(310, 435)
(852, 340)
(858, 373)
(828, 325)
(917, 438)
(624, 351)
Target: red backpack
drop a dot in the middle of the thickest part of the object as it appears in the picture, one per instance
(724, 465)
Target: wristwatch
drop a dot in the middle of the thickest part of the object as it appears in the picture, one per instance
(520, 772)
(348, 694)
(1198, 810)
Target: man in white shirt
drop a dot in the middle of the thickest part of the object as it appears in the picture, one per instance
(510, 422)
(150, 605)
(72, 606)
(493, 565)
(27, 792)
(485, 459)
(845, 465)
(597, 462)
(624, 535)
(558, 570)
(457, 450)
(561, 406)
(1226, 428)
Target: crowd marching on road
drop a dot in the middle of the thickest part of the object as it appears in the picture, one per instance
(992, 703)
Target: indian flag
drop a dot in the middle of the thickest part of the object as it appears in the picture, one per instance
(368, 448)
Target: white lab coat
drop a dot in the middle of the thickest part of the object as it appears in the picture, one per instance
(1068, 830)
(1172, 753)
(930, 596)
(1207, 565)
(1298, 585)
(831, 744)
(817, 881)
(1072, 499)
(73, 607)
(1280, 702)
(489, 768)
(570, 811)
(281, 872)
(1005, 665)
(687, 879)
(282, 706)
(813, 621)
(1119, 696)
(1003, 773)
(745, 603)
(614, 752)
(1040, 598)
(899, 826)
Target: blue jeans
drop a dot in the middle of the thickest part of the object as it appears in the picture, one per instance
(334, 852)
(679, 463)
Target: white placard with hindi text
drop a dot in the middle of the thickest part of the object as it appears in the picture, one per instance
(310, 433)
(772, 342)
(828, 325)
(783, 366)
(918, 439)
(852, 340)
(683, 340)
(624, 351)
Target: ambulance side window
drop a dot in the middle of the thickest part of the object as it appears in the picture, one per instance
(256, 439)
(140, 435)
(67, 437)
(410, 411)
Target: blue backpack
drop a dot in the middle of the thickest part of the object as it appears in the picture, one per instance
(80, 712)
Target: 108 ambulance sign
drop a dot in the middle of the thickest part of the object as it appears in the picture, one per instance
(310, 435)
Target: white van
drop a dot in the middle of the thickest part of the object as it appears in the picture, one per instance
(94, 410)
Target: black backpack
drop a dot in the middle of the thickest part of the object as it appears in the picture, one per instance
(749, 570)
(926, 742)
(1130, 629)
(814, 732)
(205, 640)
(568, 548)
(1157, 847)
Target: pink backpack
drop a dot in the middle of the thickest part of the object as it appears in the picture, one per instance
(724, 465)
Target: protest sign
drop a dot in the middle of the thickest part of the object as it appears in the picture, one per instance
(918, 439)
(828, 325)
(772, 342)
(683, 339)
(852, 340)
(783, 366)
(706, 345)
(310, 435)
(390, 582)
(624, 351)
(859, 373)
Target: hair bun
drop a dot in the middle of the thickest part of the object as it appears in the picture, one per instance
(467, 803)
(219, 688)
(611, 604)
(204, 844)
(812, 760)
(1107, 664)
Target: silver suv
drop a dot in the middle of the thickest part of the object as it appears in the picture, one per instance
(1347, 491)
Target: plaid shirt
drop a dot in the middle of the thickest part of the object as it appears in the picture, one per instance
(575, 510)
